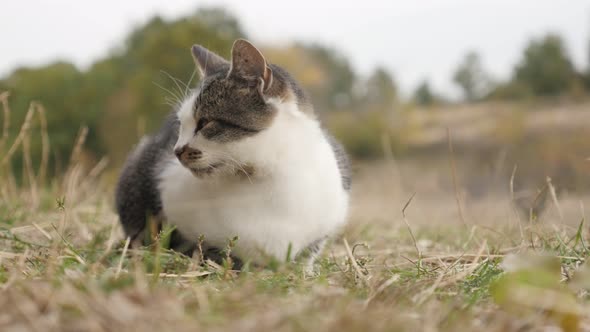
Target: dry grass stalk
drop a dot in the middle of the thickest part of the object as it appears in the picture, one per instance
(43, 232)
(78, 184)
(28, 166)
(381, 289)
(408, 226)
(5, 118)
(454, 174)
(513, 200)
(554, 197)
(439, 283)
(74, 173)
(389, 158)
(19, 138)
(23, 139)
(359, 274)
(77, 150)
(42, 172)
(98, 168)
(123, 254)
(187, 275)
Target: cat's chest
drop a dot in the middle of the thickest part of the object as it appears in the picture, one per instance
(187, 197)
(267, 216)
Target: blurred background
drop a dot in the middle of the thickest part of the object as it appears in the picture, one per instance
(476, 97)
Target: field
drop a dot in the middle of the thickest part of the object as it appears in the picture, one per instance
(420, 253)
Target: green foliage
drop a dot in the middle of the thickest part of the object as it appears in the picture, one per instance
(324, 73)
(125, 94)
(546, 67)
(341, 78)
(477, 285)
(363, 134)
(471, 77)
(511, 91)
(381, 91)
(61, 88)
(532, 284)
(423, 95)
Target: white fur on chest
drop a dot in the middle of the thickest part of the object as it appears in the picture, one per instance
(294, 198)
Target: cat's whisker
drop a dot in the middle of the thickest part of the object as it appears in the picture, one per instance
(234, 161)
(171, 102)
(171, 99)
(190, 80)
(175, 97)
(227, 160)
(239, 167)
(176, 81)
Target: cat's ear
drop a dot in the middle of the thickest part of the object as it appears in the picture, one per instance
(207, 62)
(248, 62)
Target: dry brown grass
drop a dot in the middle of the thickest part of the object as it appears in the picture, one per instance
(400, 265)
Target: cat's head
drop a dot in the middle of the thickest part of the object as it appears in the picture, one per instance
(236, 101)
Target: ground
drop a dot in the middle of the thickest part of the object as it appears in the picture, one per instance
(445, 240)
(413, 257)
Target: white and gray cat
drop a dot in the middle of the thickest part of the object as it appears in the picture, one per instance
(243, 155)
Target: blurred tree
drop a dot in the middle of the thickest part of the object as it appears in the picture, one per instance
(340, 78)
(423, 94)
(159, 61)
(158, 71)
(324, 73)
(511, 91)
(545, 67)
(471, 77)
(58, 87)
(125, 91)
(381, 91)
(586, 73)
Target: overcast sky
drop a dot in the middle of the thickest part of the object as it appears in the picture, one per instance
(415, 39)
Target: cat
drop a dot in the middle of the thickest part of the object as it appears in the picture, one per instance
(243, 155)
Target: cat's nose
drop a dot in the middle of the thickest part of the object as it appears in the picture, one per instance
(179, 151)
(186, 153)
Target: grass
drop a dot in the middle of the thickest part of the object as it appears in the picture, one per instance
(54, 280)
(399, 265)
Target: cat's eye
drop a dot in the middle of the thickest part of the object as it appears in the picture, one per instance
(201, 124)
